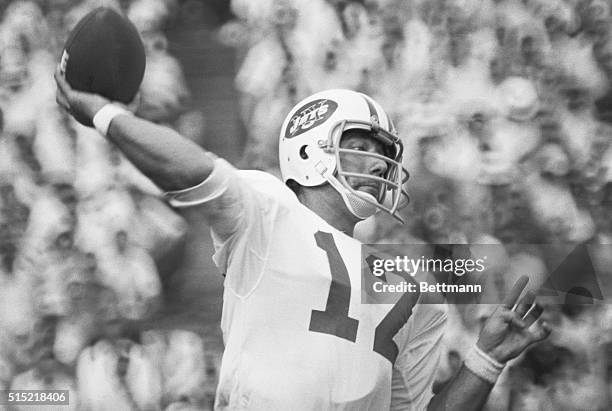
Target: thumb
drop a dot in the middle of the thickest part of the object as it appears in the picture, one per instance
(135, 103)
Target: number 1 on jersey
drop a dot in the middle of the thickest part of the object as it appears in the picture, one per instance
(335, 320)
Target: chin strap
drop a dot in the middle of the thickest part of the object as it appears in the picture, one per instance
(355, 203)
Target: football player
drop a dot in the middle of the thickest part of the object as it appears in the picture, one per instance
(296, 335)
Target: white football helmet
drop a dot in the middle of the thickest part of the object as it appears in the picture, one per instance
(309, 149)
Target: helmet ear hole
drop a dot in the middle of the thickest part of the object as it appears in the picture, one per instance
(303, 153)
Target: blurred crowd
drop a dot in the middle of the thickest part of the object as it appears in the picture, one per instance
(503, 107)
(85, 240)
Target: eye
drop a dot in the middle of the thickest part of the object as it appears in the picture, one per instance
(357, 146)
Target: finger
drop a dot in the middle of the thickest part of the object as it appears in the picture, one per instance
(61, 82)
(515, 292)
(525, 304)
(135, 103)
(57, 74)
(540, 331)
(534, 312)
(511, 317)
(61, 101)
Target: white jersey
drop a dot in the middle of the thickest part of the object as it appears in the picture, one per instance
(296, 334)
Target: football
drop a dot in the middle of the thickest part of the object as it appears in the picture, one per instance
(104, 54)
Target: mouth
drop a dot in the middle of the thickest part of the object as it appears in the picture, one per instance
(368, 188)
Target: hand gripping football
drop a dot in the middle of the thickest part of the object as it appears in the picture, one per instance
(104, 54)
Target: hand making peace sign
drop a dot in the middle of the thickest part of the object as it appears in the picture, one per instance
(514, 325)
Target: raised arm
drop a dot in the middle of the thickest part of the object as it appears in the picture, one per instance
(512, 327)
(170, 160)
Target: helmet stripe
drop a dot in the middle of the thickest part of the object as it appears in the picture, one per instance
(381, 115)
(384, 117)
(371, 107)
(390, 125)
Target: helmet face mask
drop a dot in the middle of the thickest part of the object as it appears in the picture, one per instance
(310, 152)
(391, 183)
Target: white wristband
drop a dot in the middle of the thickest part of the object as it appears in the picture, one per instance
(481, 364)
(105, 115)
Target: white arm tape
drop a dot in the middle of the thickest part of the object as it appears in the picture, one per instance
(481, 364)
(105, 115)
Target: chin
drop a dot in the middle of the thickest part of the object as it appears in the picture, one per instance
(367, 194)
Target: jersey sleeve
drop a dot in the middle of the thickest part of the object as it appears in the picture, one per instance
(414, 370)
(241, 208)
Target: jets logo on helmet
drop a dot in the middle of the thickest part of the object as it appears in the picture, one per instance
(310, 153)
(310, 116)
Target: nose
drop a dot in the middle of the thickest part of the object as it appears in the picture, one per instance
(377, 167)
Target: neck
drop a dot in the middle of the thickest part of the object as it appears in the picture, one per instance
(328, 204)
